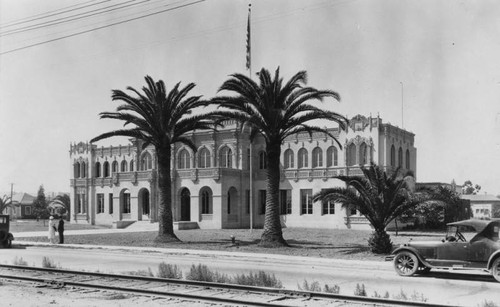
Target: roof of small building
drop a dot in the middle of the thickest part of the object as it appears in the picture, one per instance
(480, 197)
(22, 199)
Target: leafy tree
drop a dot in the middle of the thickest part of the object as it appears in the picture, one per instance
(468, 188)
(275, 111)
(40, 209)
(160, 118)
(378, 196)
(5, 202)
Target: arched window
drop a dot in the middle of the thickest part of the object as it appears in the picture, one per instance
(206, 202)
(226, 157)
(289, 158)
(362, 153)
(124, 166)
(317, 157)
(76, 170)
(393, 156)
(83, 172)
(332, 156)
(407, 159)
(184, 159)
(146, 161)
(114, 167)
(98, 169)
(400, 157)
(303, 158)
(204, 158)
(262, 160)
(105, 169)
(351, 154)
(131, 165)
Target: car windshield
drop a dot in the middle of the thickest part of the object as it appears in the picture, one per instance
(454, 232)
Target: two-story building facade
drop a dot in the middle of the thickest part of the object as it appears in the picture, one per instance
(222, 184)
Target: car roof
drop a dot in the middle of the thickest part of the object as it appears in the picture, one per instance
(477, 224)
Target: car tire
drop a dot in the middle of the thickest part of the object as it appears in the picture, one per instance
(495, 269)
(7, 243)
(406, 263)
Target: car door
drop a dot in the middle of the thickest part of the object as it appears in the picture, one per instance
(453, 254)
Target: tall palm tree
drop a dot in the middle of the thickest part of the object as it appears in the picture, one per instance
(379, 196)
(275, 111)
(5, 202)
(160, 118)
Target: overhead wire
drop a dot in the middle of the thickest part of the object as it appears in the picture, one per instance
(70, 18)
(101, 27)
(50, 13)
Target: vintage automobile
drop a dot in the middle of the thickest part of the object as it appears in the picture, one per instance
(6, 237)
(481, 252)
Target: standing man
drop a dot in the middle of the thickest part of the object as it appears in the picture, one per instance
(60, 229)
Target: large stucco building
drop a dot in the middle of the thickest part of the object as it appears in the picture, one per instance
(214, 187)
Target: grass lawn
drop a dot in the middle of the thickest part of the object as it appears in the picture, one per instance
(328, 243)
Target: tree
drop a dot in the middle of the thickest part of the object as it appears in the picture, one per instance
(160, 118)
(40, 209)
(378, 196)
(275, 111)
(65, 200)
(5, 202)
(470, 189)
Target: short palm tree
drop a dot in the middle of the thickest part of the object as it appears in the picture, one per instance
(160, 118)
(378, 196)
(5, 202)
(275, 110)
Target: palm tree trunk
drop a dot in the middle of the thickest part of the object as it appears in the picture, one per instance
(166, 223)
(272, 236)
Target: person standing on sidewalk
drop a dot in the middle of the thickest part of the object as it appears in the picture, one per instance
(52, 230)
(60, 229)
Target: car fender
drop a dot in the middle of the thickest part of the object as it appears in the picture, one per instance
(10, 236)
(414, 251)
(493, 256)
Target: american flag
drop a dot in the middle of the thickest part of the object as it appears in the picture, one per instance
(249, 57)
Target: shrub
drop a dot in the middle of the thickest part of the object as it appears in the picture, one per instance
(203, 273)
(335, 289)
(311, 287)
(488, 304)
(260, 279)
(377, 295)
(360, 290)
(49, 263)
(415, 296)
(147, 273)
(380, 242)
(169, 271)
(19, 261)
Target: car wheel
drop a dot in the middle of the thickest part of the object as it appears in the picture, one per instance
(495, 269)
(405, 263)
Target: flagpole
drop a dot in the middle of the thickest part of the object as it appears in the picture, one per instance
(249, 67)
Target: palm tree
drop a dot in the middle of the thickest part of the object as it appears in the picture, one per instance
(160, 118)
(275, 111)
(379, 197)
(5, 202)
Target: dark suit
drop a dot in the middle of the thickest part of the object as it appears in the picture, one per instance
(60, 229)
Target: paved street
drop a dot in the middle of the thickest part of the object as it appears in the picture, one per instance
(439, 287)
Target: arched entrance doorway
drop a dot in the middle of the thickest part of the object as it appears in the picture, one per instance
(144, 204)
(185, 205)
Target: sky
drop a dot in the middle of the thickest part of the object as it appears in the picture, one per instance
(429, 66)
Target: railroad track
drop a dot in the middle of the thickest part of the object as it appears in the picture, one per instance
(226, 294)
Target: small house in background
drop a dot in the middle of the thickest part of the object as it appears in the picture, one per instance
(23, 206)
(483, 206)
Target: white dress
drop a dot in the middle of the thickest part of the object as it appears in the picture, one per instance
(52, 231)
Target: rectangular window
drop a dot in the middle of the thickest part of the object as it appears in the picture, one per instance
(285, 202)
(100, 203)
(353, 211)
(306, 206)
(126, 203)
(110, 203)
(328, 207)
(28, 210)
(262, 201)
(247, 194)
